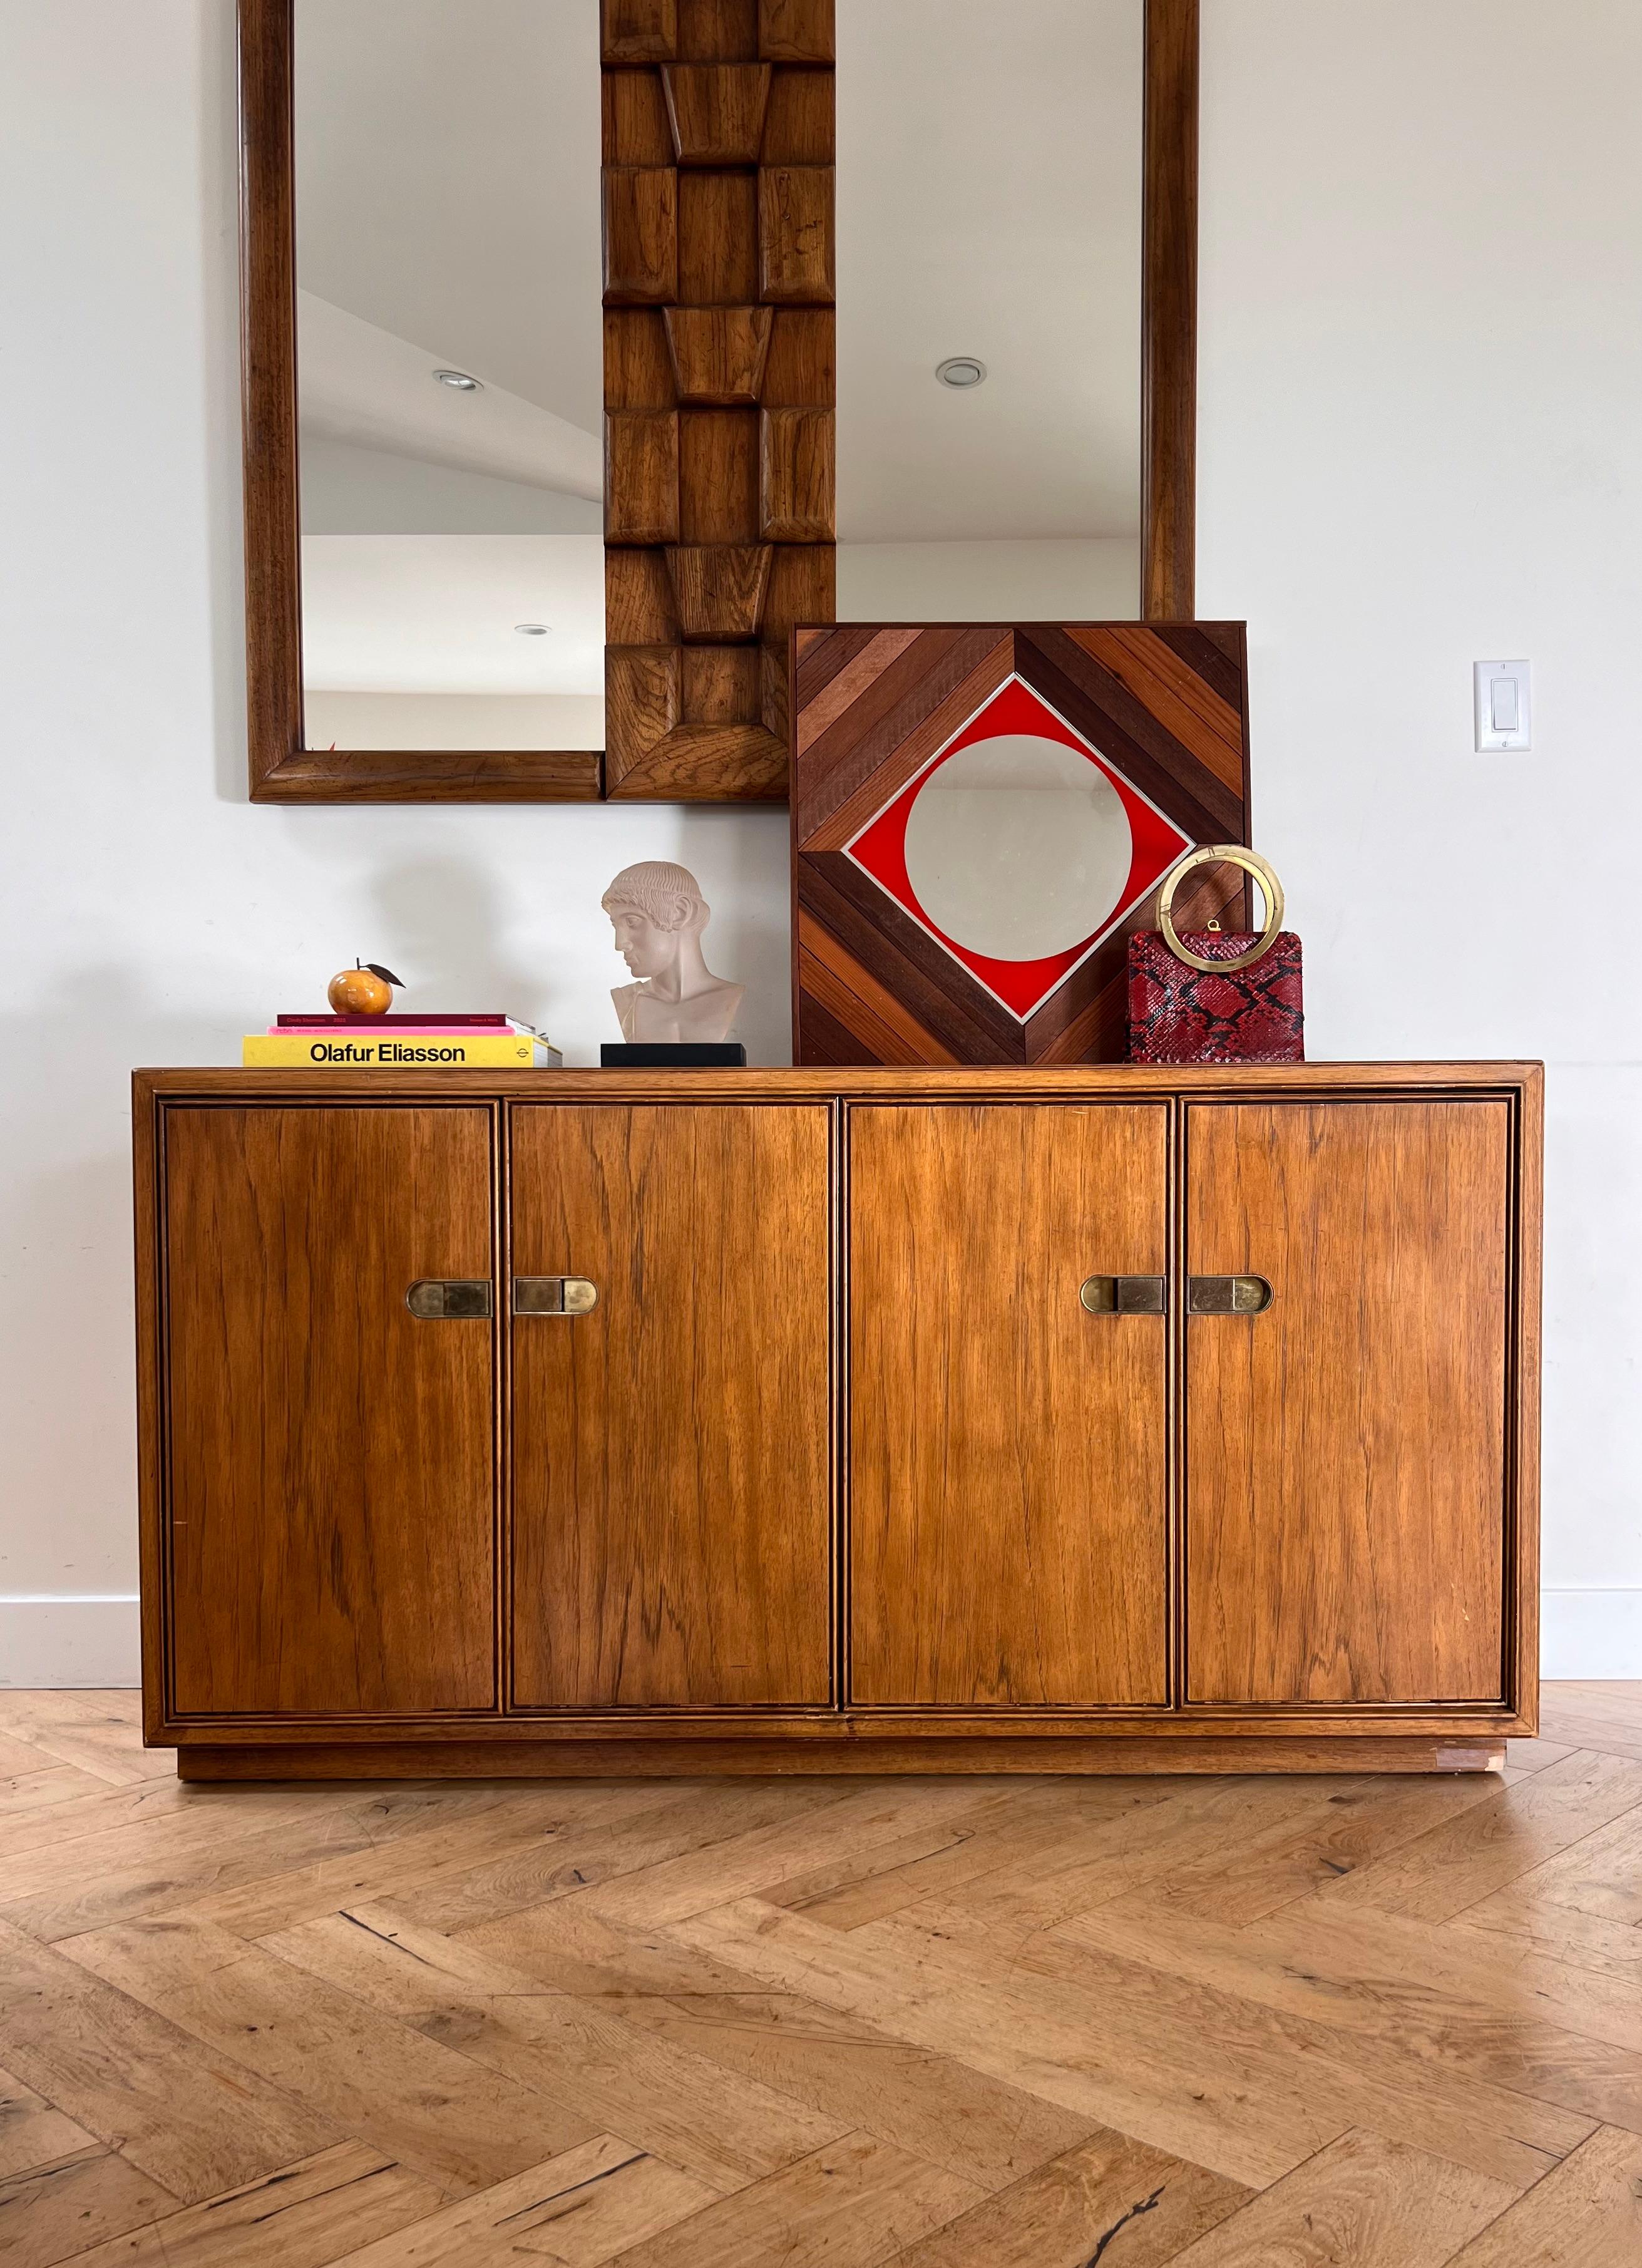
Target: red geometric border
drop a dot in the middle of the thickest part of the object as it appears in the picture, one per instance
(1020, 986)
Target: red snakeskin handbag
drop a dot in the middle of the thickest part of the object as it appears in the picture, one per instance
(1213, 995)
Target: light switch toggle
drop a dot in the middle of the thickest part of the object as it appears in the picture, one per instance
(1503, 705)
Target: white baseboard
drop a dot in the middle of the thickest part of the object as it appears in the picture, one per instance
(69, 1641)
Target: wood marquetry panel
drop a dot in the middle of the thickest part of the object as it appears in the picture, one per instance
(718, 384)
(875, 981)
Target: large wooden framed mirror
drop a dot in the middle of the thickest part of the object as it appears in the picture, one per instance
(539, 475)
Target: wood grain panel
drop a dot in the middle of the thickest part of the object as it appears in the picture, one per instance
(641, 234)
(718, 353)
(1345, 1454)
(743, 95)
(331, 1458)
(1008, 1525)
(671, 1461)
(716, 111)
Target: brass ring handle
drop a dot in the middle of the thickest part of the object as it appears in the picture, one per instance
(1208, 854)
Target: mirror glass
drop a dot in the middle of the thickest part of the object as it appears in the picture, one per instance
(989, 215)
(449, 349)
(1014, 844)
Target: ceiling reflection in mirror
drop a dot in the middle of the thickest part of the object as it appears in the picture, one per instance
(989, 212)
(448, 327)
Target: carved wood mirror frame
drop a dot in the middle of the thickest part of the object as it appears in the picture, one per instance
(696, 662)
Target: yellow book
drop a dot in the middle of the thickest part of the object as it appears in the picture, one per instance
(457, 1050)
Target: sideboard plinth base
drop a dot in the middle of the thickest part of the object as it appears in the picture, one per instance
(686, 1759)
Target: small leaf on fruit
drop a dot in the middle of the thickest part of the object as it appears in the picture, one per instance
(386, 974)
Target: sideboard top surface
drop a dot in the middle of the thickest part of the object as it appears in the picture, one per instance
(966, 1083)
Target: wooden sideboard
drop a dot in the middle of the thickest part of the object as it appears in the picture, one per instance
(1072, 1420)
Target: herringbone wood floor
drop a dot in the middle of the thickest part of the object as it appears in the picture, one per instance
(821, 2024)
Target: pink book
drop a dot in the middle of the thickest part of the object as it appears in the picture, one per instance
(405, 1022)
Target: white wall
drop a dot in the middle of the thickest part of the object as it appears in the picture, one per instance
(1422, 351)
(1420, 446)
(150, 915)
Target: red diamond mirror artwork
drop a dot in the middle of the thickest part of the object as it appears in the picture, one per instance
(1022, 837)
(982, 812)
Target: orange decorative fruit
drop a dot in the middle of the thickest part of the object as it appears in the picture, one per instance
(364, 990)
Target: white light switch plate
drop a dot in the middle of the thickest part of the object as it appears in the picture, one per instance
(1504, 716)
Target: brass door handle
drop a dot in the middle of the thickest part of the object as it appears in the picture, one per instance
(1228, 1295)
(444, 1299)
(1125, 1295)
(553, 1295)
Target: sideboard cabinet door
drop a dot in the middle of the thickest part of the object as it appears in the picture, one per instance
(1345, 1469)
(1007, 1517)
(330, 1458)
(671, 1459)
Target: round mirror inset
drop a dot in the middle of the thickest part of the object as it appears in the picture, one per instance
(1018, 847)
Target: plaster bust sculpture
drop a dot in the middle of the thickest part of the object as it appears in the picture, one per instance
(658, 915)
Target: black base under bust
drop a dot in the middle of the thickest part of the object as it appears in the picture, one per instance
(672, 1055)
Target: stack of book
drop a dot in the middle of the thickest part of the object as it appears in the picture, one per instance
(404, 1043)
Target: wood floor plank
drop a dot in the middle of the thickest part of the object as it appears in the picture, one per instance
(1251, 2117)
(33, 2132)
(1527, 1756)
(567, 1946)
(1600, 1874)
(1362, 2203)
(1013, 1830)
(1110, 2200)
(1587, 2213)
(100, 1808)
(152, 1959)
(57, 2210)
(63, 1887)
(926, 2103)
(856, 2202)
(101, 1731)
(1194, 2027)
(1450, 1867)
(452, 1839)
(1399, 2004)
(740, 1866)
(1610, 1948)
(1105, 1858)
(1389, 1954)
(1360, 1825)
(580, 2208)
(44, 1785)
(298, 2218)
(669, 1820)
(1398, 2079)
(725, 2129)
(190, 2118)
(19, 1759)
(463, 2123)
